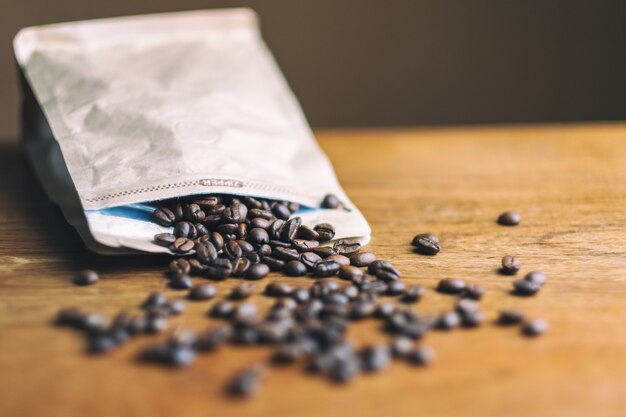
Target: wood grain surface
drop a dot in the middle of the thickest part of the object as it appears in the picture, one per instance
(569, 184)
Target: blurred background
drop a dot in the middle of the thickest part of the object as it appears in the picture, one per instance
(405, 62)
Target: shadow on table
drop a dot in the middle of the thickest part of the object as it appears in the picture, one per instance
(36, 227)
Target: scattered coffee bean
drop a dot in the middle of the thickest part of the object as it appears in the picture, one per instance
(325, 268)
(244, 383)
(510, 317)
(395, 288)
(536, 277)
(375, 358)
(295, 269)
(277, 289)
(509, 218)
(181, 282)
(219, 269)
(330, 201)
(534, 328)
(421, 356)
(222, 310)
(525, 288)
(86, 277)
(202, 292)
(426, 244)
(401, 346)
(349, 272)
(242, 291)
(451, 286)
(413, 294)
(307, 233)
(164, 239)
(362, 259)
(164, 216)
(510, 265)
(473, 291)
(346, 247)
(257, 271)
(180, 266)
(325, 232)
(340, 259)
(448, 320)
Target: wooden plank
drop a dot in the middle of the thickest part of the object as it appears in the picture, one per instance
(569, 184)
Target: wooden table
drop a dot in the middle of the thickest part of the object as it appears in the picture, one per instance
(568, 182)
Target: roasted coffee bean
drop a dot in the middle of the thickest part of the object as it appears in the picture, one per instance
(156, 324)
(289, 353)
(202, 292)
(301, 295)
(336, 298)
(375, 358)
(395, 288)
(374, 287)
(71, 316)
(138, 325)
(201, 230)
(351, 291)
(451, 286)
(258, 213)
(164, 239)
(536, 277)
(384, 270)
(246, 247)
(155, 299)
(277, 289)
(426, 244)
(510, 265)
(509, 218)
(473, 291)
(401, 346)
(306, 233)
(362, 309)
(325, 268)
(240, 266)
(349, 272)
(232, 250)
(185, 229)
(207, 203)
(275, 230)
(257, 271)
(86, 277)
(362, 259)
(236, 213)
(466, 306)
(346, 247)
(281, 211)
(286, 254)
(473, 319)
(213, 338)
(279, 244)
(242, 231)
(246, 313)
(219, 269)
(196, 267)
(178, 211)
(260, 223)
(273, 263)
(176, 307)
(183, 245)
(227, 229)
(534, 328)
(340, 259)
(295, 269)
(290, 229)
(211, 221)
(242, 291)
(385, 310)
(324, 251)
(194, 213)
(217, 240)
(222, 310)
(322, 288)
(181, 282)
(244, 383)
(510, 317)
(309, 259)
(304, 245)
(180, 266)
(448, 320)
(413, 294)
(325, 232)
(330, 201)
(525, 288)
(258, 235)
(170, 355)
(264, 250)
(205, 252)
(101, 343)
(345, 369)
(164, 216)
(293, 206)
(421, 356)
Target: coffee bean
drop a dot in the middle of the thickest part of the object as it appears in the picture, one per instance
(473, 291)
(205, 252)
(346, 247)
(395, 288)
(240, 266)
(304, 245)
(227, 229)
(525, 288)
(281, 211)
(421, 356)
(301, 295)
(246, 247)
(473, 319)
(466, 306)
(325, 268)
(164, 239)
(213, 338)
(325, 232)
(349, 272)
(306, 233)
(202, 292)
(156, 324)
(384, 270)
(222, 310)
(374, 287)
(309, 259)
(362, 259)
(509, 218)
(330, 201)
(196, 267)
(232, 250)
(277, 289)
(245, 313)
(163, 216)
(536, 277)
(426, 244)
(286, 254)
(185, 229)
(236, 213)
(362, 309)
(276, 228)
(273, 263)
(181, 282)
(375, 358)
(510, 317)
(71, 316)
(176, 307)
(258, 235)
(217, 240)
(290, 229)
(534, 328)
(510, 265)
(257, 271)
(260, 223)
(207, 203)
(183, 245)
(451, 286)
(244, 383)
(351, 291)
(264, 250)
(86, 277)
(340, 259)
(194, 213)
(180, 266)
(413, 294)
(385, 310)
(279, 244)
(345, 369)
(324, 251)
(219, 269)
(242, 231)
(295, 269)
(101, 343)
(401, 346)
(448, 320)
(155, 299)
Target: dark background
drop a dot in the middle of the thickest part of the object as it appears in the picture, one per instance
(406, 62)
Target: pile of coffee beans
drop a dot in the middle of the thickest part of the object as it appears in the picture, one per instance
(217, 237)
